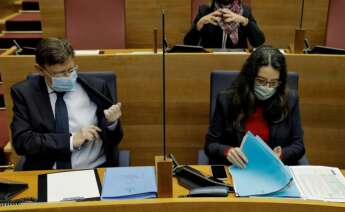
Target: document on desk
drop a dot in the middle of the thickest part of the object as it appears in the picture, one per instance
(69, 186)
(264, 174)
(129, 183)
(87, 52)
(319, 183)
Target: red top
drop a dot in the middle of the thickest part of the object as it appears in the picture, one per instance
(257, 124)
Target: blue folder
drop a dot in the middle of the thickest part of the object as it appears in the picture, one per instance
(129, 183)
(265, 174)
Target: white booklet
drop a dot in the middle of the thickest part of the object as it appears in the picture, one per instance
(319, 183)
(79, 185)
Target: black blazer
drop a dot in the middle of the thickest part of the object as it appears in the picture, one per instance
(221, 134)
(211, 36)
(33, 124)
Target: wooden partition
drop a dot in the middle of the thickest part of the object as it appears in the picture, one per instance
(322, 85)
(277, 18)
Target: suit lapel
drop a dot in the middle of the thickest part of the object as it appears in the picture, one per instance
(43, 103)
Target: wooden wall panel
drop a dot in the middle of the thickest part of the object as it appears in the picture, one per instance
(8, 7)
(142, 18)
(322, 84)
(53, 18)
(315, 21)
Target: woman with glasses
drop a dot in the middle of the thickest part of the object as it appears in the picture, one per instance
(224, 24)
(258, 101)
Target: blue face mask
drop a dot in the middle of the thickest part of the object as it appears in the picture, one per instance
(64, 84)
(264, 92)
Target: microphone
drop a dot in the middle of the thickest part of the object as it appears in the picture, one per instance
(163, 82)
(302, 13)
(163, 165)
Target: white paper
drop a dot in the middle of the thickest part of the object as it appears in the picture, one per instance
(86, 52)
(232, 53)
(319, 182)
(64, 186)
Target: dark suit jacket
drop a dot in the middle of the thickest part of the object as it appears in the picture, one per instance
(211, 36)
(33, 124)
(221, 134)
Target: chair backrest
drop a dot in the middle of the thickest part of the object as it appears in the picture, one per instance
(221, 80)
(108, 76)
(96, 24)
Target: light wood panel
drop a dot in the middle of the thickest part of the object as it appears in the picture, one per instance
(53, 18)
(322, 84)
(224, 204)
(315, 21)
(142, 18)
(8, 7)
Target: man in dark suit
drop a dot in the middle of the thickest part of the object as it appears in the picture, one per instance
(60, 120)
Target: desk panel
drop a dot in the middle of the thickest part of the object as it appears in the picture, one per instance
(174, 204)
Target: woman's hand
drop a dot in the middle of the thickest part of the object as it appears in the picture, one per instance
(278, 151)
(212, 18)
(237, 157)
(229, 16)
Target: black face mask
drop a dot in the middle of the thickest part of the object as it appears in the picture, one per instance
(225, 2)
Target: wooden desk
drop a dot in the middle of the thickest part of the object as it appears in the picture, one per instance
(321, 89)
(174, 204)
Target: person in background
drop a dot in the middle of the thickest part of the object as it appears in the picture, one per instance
(224, 24)
(59, 120)
(258, 101)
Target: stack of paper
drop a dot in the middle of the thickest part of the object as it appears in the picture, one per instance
(265, 175)
(129, 183)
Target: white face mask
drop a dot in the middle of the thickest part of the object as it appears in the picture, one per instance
(264, 92)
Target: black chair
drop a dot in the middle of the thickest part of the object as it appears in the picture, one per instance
(221, 80)
(110, 78)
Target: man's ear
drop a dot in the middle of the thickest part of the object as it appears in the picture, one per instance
(39, 69)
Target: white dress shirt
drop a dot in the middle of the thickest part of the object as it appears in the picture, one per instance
(81, 113)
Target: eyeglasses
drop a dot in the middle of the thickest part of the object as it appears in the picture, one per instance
(64, 73)
(263, 82)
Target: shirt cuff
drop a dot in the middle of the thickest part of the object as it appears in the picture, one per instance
(71, 143)
(112, 126)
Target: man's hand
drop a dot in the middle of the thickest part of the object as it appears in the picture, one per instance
(86, 134)
(113, 113)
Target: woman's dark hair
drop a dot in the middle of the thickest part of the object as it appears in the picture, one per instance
(243, 101)
(213, 4)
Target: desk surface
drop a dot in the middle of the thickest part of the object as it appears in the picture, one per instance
(168, 204)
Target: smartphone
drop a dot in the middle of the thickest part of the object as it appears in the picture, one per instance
(219, 172)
